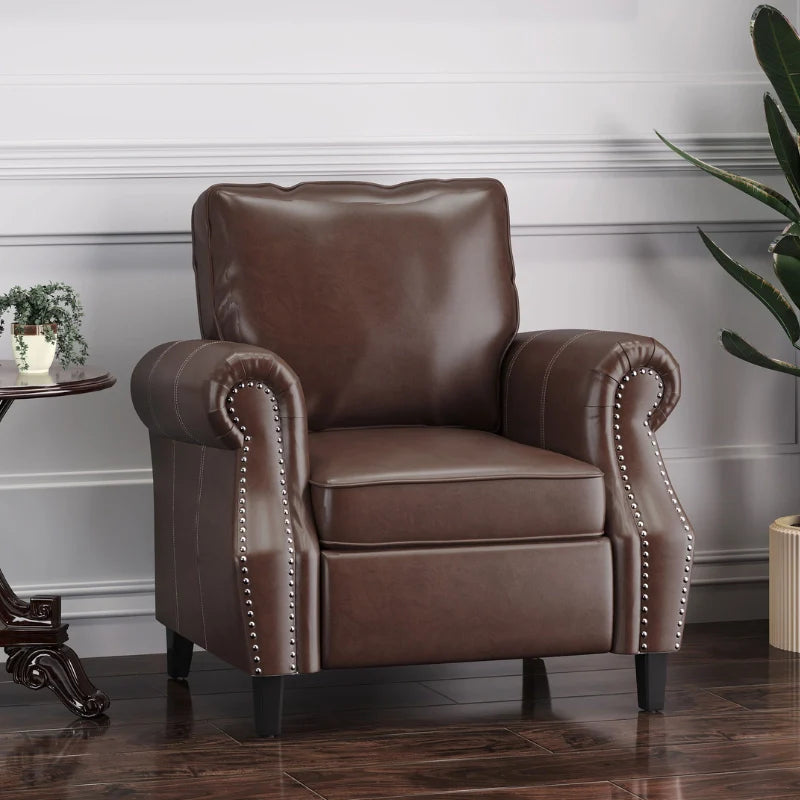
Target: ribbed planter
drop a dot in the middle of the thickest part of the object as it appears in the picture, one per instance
(40, 353)
(784, 583)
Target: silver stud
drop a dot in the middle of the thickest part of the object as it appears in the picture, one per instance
(644, 645)
(293, 668)
(258, 670)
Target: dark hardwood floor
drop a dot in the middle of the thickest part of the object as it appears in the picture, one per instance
(731, 730)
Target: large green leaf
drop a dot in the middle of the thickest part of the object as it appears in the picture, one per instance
(778, 51)
(763, 290)
(738, 347)
(763, 193)
(786, 257)
(784, 145)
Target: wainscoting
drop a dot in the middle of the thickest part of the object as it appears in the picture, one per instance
(116, 119)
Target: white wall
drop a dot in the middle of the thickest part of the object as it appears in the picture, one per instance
(115, 116)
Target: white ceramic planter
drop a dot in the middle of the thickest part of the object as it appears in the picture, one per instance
(40, 353)
(784, 583)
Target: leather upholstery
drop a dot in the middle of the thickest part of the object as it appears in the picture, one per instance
(381, 319)
(350, 281)
(404, 486)
(562, 390)
(179, 390)
(428, 605)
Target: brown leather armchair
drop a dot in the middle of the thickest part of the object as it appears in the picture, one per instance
(363, 463)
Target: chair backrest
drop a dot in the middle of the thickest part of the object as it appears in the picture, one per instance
(393, 304)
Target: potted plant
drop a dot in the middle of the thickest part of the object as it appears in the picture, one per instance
(777, 48)
(47, 324)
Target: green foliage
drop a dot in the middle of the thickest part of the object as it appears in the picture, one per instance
(777, 47)
(45, 304)
(764, 291)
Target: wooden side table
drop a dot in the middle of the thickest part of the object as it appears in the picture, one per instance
(32, 633)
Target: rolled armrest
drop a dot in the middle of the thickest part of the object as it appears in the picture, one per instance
(236, 549)
(599, 396)
(179, 389)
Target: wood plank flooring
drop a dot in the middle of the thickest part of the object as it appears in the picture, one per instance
(458, 731)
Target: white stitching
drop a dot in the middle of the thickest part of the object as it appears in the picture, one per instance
(177, 379)
(509, 370)
(174, 545)
(547, 377)
(197, 541)
(153, 415)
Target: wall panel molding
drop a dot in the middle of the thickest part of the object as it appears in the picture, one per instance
(184, 237)
(143, 476)
(71, 160)
(102, 594)
(102, 79)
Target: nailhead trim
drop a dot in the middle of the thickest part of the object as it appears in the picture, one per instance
(637, 515)
(242, 522)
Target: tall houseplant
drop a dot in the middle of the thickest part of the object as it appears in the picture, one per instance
(777, 48)
(47, 317)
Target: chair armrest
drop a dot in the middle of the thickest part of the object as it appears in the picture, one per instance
(236, 549)
(179, 389)
(599, 396)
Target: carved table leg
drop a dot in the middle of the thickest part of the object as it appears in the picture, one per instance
(57, 667)
(34, 636)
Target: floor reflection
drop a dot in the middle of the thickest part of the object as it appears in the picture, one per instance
(44, 757)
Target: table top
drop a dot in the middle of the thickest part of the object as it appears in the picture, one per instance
(16, 385)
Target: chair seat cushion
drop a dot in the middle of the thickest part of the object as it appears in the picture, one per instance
(390, 487)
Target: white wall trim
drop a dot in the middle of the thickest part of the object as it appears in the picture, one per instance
(102, 592)
(566, 229)
(756, 555)
(143, 476)
(53, 160)
(60, 480)
(100, 79)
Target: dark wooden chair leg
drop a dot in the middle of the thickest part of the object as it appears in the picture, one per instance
(179, 655)
(651, 680)
(535, 684)
(268, 704)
